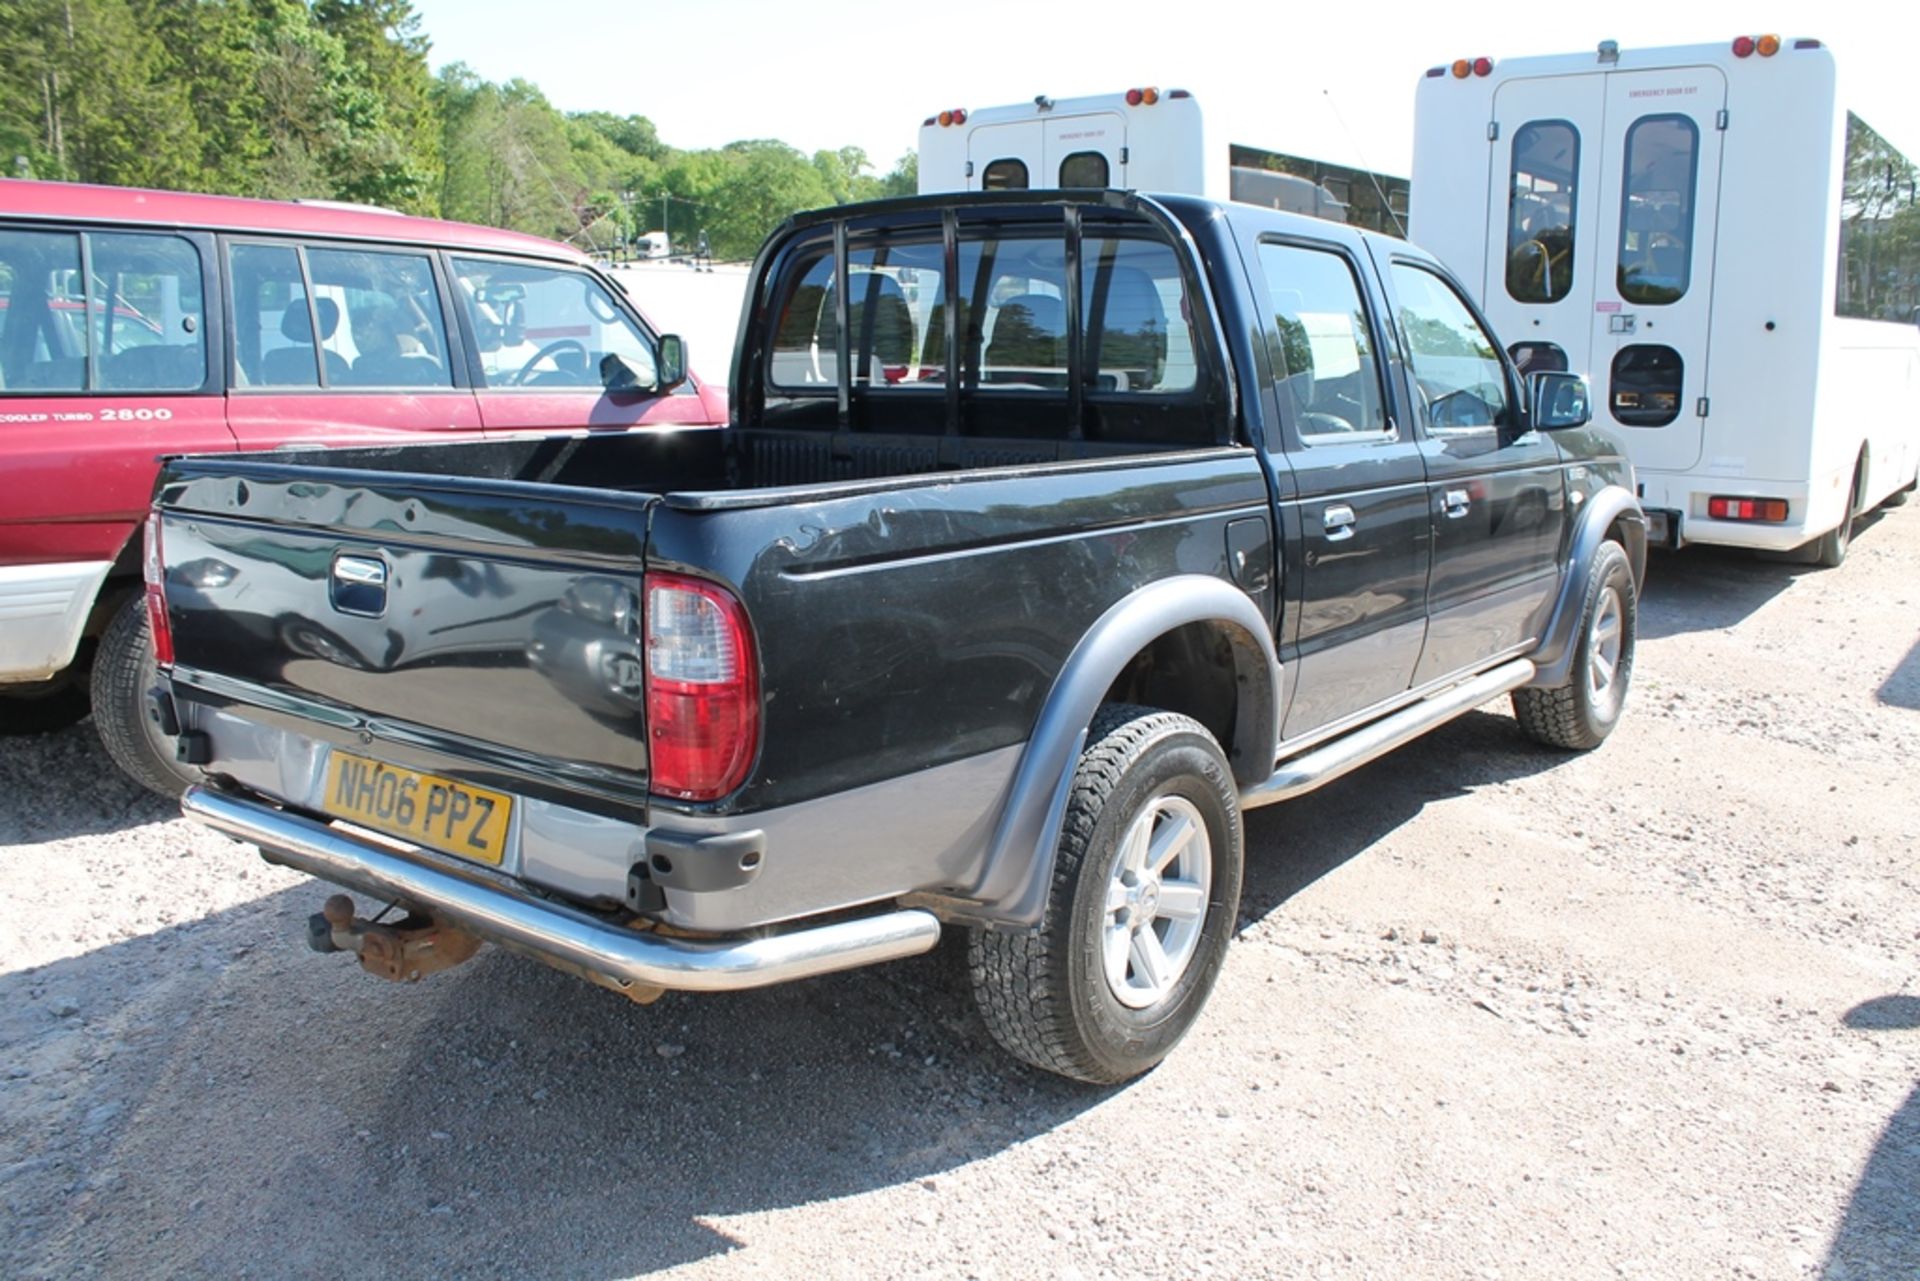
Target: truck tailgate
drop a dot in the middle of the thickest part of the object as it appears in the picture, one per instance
(487, 623)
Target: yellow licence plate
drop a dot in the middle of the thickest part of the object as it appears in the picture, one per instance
(424, 808)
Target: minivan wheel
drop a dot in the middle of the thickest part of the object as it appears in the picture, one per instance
(1580, 713)
(123, 672)
(1145, 891)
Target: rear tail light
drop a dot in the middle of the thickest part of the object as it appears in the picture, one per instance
(703, 689)
(1743, 46)
(1483, 66)
(1771, 510)
(154, 572)
(1142, 97)
(957, 116)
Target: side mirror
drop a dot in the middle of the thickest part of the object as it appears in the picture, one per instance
(673, 362)
(1558, 401)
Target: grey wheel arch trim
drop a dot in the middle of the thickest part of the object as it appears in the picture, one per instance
(1553, 658)
(1012, 886)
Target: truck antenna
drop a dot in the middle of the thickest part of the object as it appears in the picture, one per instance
(1365, 167)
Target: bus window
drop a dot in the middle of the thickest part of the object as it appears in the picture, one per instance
(1879, 277)
(1656, 210)
(1005, 175)
(1538, 358)
(1540, 211)
(1646, 385)
(1084, 169)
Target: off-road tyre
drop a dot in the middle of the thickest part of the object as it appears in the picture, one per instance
(123, 672)
(1044, 995)
(1577, 716)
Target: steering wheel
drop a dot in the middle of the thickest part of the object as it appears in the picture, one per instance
(553, 348)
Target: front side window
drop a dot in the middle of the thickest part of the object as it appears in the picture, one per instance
(1084, 169)
(1325, 371)
(1456, 368)
(390, 332)
(1005, 175)
(1540, 211)
(538, 325)
(138, 324)
(1656, 209)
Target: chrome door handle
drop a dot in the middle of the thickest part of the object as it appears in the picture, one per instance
(1338, 520)
(1455, 503)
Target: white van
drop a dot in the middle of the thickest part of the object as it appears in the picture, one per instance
(1706, 232)
(1149, 140)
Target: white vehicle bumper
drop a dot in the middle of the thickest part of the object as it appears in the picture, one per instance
(43, 613)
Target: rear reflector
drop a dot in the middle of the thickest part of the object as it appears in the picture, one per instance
(703, 689)
(153, 570)
(1771, 510)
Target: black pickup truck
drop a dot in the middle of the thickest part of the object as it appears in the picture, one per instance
(1050, 534)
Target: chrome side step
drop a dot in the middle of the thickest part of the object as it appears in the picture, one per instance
(569, 939)
(1351, 751)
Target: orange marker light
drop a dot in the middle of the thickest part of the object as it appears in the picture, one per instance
(1462, 69)
(1150, 96)
(946, 118)
(1768, 46)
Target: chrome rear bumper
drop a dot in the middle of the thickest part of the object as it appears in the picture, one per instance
(567, 938)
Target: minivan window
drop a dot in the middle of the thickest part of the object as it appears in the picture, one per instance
(538, 325)
(1656, 209)
(1541, 209)
(1456, 368)
(1320, 344)
(390, 333)
(139, 324)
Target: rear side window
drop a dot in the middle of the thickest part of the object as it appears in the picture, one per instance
(1656, 210)
(390, 332)
(544, 326)
(1004, 175)
(1540, 211)
(137, 322)
(273, 323)
(1325, 371)
(1456, 368)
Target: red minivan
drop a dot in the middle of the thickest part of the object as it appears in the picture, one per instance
(140, 323)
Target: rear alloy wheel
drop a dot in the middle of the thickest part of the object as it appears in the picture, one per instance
(123, 672)
(1145, 890)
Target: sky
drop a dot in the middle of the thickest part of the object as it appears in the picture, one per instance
(1329, 81)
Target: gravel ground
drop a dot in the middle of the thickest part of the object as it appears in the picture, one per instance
(1650, 1012)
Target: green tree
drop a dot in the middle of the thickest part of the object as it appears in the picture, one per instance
(388, 55)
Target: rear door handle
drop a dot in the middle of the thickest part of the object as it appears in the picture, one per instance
(1455, 503)
(1338, 520)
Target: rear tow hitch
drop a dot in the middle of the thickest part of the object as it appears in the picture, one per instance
(403, 953)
